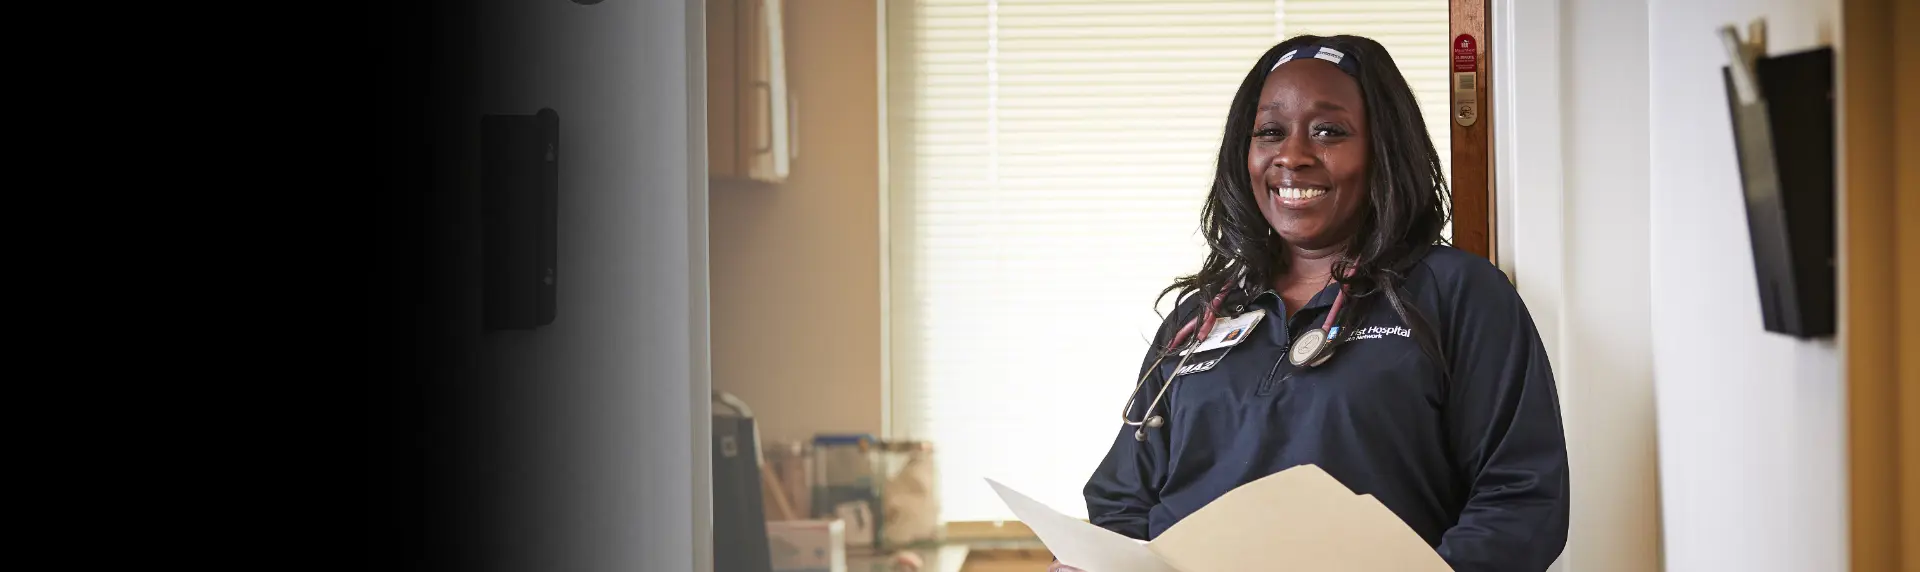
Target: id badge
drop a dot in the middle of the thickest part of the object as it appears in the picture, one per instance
(1229, 332)
(1226, 333)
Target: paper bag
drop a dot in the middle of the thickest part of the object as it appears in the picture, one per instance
(1296, 519)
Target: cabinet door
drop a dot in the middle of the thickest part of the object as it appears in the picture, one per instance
(749, 110)
(767, 126)
(724, 101)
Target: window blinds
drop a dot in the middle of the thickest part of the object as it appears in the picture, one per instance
(1047, 161)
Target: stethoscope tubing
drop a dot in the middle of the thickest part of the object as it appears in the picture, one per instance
(1197, 330)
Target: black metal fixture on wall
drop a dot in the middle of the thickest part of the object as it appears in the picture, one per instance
(520, 187)
(1782, 109)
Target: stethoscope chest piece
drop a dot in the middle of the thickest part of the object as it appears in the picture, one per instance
(1310, 349)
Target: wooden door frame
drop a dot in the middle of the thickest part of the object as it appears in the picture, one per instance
(1472, 144)
(1879, 100)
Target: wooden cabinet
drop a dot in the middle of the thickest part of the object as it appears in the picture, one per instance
(752, 131)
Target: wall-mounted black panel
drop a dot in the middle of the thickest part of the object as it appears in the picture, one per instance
(1785, 144)
(520, 184)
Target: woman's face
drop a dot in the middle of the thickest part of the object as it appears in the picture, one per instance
(1308, 157)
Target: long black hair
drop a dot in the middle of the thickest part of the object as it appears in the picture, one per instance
(1407, 199)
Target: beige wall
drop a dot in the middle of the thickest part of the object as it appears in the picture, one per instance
(796, 266)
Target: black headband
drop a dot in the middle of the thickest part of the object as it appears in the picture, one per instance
(1319, 52)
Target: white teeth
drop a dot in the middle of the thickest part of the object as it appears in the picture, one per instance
(1297, 193)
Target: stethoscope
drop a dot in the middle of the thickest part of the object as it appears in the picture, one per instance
(1309, 350)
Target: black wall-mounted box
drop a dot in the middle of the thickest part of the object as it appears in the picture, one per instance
(520, 187)
(1785, 144)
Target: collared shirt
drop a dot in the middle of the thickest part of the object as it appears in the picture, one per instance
(1475, 462)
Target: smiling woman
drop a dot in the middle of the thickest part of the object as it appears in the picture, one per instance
(1044, 160)
(1309, 156)
(1298, 152)
(1417, 375)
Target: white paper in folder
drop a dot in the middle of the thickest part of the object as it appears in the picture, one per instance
(1296, 519)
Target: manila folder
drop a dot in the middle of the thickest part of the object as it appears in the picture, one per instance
(1296, 519)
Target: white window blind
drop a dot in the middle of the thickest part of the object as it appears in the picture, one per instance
(1047, 162)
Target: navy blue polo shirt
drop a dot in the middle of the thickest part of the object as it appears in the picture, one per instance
(1475, 463)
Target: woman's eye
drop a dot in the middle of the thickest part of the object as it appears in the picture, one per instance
(1268, 134)
(1328, 131)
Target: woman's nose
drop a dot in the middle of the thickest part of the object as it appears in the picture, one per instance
(1294, 154)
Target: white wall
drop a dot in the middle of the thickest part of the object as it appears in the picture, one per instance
(1752, 448)
(1607, 361)
(1571, 110)
(1628, 240)
(597, 443)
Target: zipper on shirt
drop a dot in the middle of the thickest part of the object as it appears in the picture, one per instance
(1268, 383)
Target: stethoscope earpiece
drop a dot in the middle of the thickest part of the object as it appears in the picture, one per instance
(1186, 335)
(1154, 422)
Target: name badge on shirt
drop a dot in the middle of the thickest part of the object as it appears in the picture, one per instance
(1197, 367)
(1229, 332)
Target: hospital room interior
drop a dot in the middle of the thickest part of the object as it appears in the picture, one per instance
(902, 275)
(950, 275)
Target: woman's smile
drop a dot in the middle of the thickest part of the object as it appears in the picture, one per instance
(1296, 197)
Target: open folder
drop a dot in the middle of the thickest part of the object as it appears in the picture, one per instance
(1296, 519)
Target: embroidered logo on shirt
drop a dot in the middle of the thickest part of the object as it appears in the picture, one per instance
(1377, 332)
